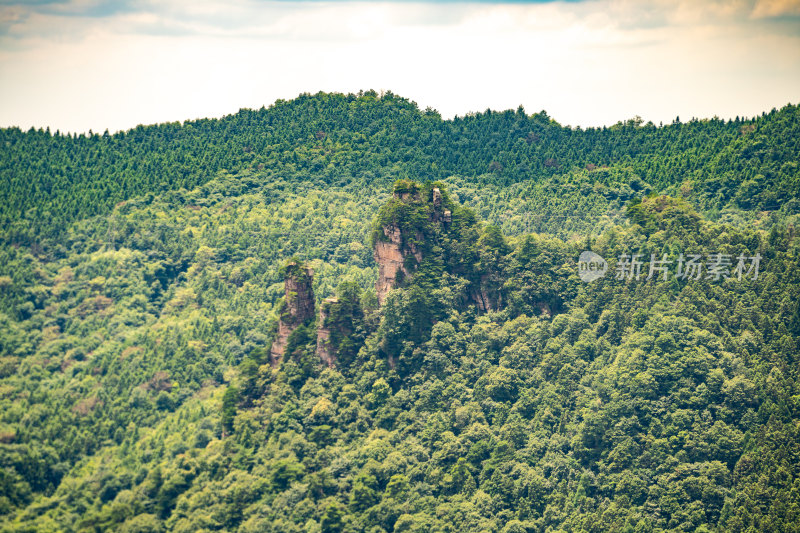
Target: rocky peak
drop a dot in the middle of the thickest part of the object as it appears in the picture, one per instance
(401, 233)
(298, 306)
(325, 350)
(298, 292)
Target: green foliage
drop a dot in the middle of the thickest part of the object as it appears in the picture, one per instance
(332, 518)
(347, 323)
(294, 268)
(723, 166)
(406, 186)
(229, 401)
(140, 285)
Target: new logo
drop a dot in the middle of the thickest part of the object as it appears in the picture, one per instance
(591, 266)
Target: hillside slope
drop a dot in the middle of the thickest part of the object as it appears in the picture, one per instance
(490, 390)
(49, 179)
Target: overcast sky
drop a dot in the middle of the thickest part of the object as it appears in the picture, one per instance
(76, 65)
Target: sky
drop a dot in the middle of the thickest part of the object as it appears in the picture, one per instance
(79, 65)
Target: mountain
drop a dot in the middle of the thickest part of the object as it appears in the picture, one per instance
(334, 139)
(343, 313)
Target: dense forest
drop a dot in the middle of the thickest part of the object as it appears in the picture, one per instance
(142, 291)
(51, 179)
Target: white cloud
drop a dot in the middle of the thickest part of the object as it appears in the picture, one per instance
(776, 8)
(586, 63)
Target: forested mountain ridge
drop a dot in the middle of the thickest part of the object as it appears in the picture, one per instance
(136, 392)
(49, 179)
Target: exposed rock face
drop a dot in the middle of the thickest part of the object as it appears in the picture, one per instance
(439, 215)
(422, 220)
(279, 344)
(390, 260)
(391, 253)
(544, 308)
(300, 295)
(406, 196)
(298, 307)
(481, 299)
(324, 349)
(486, 300)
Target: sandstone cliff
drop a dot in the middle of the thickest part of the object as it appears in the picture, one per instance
(390, 259)
(324, 349)
(393, 251)
(298, 307)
